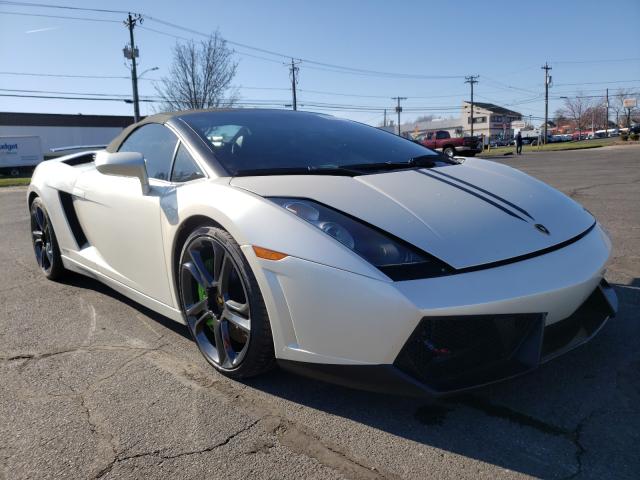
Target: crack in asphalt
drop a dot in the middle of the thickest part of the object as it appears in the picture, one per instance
(301, 440)
(289, 434)
(523, 419)
(158, 453)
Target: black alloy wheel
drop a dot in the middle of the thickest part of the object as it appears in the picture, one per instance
(45, 244)
(222, 304)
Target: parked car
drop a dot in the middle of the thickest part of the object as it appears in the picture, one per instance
(442, 141)
(330, 247)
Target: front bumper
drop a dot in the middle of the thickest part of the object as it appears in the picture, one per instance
(349, 328)
(447, 355)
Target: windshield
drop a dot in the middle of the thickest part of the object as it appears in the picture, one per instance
(267, 140)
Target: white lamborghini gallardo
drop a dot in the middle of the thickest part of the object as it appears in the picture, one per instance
(329, 247)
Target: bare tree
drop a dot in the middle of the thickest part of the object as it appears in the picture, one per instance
(576, 108)
(200, 76)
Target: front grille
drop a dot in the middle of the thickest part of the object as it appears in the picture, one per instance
(579, 327)
(448, 353)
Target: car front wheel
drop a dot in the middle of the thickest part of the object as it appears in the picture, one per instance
(45, 244)
(223, 306)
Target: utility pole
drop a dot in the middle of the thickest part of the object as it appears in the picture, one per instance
(384, 123)
(398, 109)
(131, 53)
(547, 80)
(293, 70)
(471, 79)
(606, 119)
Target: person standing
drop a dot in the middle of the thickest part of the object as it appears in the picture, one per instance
(518, 143)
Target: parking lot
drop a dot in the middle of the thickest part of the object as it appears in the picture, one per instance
(95, 386)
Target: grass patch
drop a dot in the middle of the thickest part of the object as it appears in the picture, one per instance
(551, 147)
(14, 181)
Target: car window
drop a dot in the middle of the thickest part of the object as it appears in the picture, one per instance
(157, 144)
(244, 140)
(185, 167)
(441, 135)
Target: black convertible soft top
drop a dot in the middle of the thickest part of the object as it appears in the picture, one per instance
(163, 117)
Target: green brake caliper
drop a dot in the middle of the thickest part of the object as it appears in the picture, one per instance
(202, 293)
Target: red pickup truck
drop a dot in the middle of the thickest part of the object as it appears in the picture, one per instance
(441, 140)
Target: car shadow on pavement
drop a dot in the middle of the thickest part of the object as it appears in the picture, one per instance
(573, 415)
(81, 281)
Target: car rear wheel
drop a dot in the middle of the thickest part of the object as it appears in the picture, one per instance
(223, 306)
(45, 244)
(449, 151)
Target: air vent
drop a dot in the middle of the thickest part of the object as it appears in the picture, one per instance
(66, 199)
(80, 160)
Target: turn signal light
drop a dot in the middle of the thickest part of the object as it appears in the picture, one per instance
(269, 254)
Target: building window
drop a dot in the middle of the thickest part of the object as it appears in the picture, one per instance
(497, 118)
(477, 120)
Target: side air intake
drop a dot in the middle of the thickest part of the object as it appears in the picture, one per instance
(66, 199)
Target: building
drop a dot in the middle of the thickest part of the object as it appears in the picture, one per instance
(489, 120)
(62, 130)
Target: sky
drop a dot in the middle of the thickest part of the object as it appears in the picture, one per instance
(423, 49)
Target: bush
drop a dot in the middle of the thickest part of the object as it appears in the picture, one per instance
(634, 136)
(624, 137)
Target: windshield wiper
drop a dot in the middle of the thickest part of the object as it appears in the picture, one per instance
(336, 170)
(428, 161)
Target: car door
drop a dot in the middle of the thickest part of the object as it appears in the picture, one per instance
(122, 224)
(429, 141)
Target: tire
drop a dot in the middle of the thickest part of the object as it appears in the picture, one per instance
(449, 151)
(222, 304)
(45, 243)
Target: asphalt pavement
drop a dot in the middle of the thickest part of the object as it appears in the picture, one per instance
(94, 386)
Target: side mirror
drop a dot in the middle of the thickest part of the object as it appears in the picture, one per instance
(124, 164)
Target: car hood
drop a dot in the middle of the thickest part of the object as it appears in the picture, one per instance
(467, 215)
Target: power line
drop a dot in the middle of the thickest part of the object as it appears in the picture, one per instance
(19, 95)
(60, 75)
(594, 83)
(72, 93)
(609, 60)
(65, 7)
(67, 17)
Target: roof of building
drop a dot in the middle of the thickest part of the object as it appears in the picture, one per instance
(494, 108)
(438, 124)
(63, 120)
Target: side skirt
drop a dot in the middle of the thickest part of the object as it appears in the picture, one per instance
(128, 292)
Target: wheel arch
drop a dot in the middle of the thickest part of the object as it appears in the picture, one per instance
(31, 197)
(182, 233)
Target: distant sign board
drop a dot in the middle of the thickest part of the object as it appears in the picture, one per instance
(629, 103)
(519, 124)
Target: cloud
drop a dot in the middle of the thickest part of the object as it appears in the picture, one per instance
(42, 30)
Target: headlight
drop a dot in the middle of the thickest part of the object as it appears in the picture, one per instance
(393, 256)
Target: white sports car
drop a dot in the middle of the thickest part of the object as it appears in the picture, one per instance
(330, 247)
